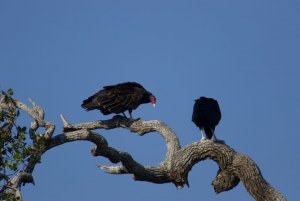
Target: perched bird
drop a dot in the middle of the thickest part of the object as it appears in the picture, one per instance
(206, 115)
(119, 98)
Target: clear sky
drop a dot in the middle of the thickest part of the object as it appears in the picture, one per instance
(245, 54)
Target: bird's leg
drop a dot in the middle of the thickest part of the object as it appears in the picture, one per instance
(129, 111)
(124, 114)
(215, 139)
(202, 133)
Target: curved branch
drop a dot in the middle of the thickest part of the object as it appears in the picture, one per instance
(38, 114)
(12, 190)
(233, 166)
(138, 126)
(153, 174)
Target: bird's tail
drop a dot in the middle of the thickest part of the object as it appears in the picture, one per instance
(209, 132)
(88, 104)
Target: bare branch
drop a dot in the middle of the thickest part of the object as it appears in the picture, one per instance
(38, 110)
(22, 178)
(12, 190)
(178, 162)
(65, 122)
(152, 174)
(37, 113)
(233, 166)
(114, 169)
(138, 126)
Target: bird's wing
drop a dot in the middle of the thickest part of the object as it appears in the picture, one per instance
(117, 99)
(134, 97)
(215, 113)
(198, 113)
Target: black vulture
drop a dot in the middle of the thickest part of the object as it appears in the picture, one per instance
(207, 115)
(119, 98)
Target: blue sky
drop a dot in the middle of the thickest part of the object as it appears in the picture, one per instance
(245, 54)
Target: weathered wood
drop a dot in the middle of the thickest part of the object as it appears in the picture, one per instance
(233, 166)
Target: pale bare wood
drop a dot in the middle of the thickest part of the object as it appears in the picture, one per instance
(233, 166)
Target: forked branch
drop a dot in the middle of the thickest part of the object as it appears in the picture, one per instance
(233, 166)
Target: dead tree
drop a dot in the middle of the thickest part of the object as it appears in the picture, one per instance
(233, 166)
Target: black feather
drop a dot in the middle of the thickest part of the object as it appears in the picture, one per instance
(206, 115)
(118, 98)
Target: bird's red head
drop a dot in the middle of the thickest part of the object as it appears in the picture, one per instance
(152, 100)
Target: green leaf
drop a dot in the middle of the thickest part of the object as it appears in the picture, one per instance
(21, 130)
(17, 156)
(10, 91)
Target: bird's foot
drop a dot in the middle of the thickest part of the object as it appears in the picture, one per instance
(219, 141)
(215, 139)
(202, 138)
(124, 115)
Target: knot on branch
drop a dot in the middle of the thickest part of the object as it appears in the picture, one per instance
(233, 167)
(178, 161)
(38, 114)
(11, 190)
(225, 181)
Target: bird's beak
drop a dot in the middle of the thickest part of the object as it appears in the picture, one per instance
(153, 104)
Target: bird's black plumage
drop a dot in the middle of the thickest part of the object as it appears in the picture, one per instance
(206, 115)
(119, 98)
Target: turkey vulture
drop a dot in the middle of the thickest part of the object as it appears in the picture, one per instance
(119, 98)
(206, 115)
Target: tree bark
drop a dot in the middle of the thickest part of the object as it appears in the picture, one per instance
(233, 167)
